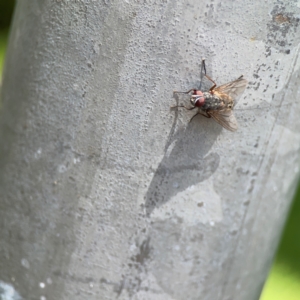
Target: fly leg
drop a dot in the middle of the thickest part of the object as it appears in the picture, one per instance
(201, 72)
(200, 113)
(213, 87)
(187, 108)
(175, 92)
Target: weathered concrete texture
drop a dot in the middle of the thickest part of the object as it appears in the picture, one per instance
(106, 193)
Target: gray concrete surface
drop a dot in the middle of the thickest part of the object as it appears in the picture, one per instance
(106, 193)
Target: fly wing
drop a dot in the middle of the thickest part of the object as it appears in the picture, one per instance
(233, 88)
(225, 118)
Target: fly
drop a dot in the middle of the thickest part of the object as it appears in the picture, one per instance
(218, 102)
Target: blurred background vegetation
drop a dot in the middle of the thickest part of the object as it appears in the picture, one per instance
(6, 12)
(283, 282)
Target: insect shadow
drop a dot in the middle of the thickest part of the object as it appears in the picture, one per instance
(186, 162)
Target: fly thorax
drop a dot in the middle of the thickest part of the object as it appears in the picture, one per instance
(212, 102)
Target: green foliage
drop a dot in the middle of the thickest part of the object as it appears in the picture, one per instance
(6, 11)
(3, 43)
(282, 284)
(284, 279)
(289, 249)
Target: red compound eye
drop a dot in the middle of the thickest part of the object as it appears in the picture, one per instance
(200, 101)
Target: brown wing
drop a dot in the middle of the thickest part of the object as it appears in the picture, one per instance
(233, 88)
(225, 118)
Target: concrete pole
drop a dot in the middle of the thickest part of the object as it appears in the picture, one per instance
(106, 193)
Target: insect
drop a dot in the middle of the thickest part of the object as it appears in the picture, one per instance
(218, 102)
